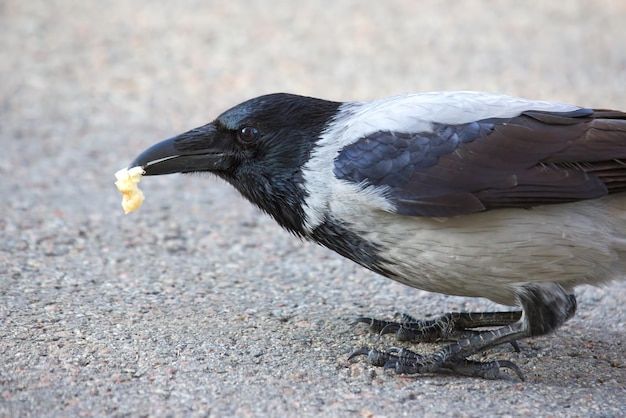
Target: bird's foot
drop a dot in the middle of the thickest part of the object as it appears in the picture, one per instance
(452, 326)
(405, 361)
(462, 328)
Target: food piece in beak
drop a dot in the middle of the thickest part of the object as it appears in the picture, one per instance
(132, 196)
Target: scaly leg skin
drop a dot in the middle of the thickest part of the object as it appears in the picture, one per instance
(451, 326)
(546, 306)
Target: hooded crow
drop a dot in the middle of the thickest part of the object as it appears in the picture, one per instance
(461, 193)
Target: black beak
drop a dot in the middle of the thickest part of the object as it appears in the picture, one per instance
(197, 150)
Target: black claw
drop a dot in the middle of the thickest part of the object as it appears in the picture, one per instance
(390, 328)
(391, 365)
(361, 320)
(374, 357)
(487, 370)
(512, 366)
(374, 325)
(360, 352)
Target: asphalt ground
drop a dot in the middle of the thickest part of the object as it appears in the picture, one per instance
(199, 305)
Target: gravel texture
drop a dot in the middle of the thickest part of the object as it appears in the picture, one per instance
(197, 304)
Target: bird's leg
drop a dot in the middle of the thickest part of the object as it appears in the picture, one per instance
(546, 306)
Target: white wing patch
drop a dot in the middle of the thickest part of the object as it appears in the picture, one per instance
(416, 112)
(403, 113)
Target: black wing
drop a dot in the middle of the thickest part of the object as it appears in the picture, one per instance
(533, 159)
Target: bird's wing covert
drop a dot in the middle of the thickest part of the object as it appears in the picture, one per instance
(532, 159)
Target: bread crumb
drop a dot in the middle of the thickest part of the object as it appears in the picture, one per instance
(132, 196)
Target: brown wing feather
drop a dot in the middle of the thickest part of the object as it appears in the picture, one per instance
(589, 160)
(535, 159)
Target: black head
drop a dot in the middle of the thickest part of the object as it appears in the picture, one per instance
(259, 146)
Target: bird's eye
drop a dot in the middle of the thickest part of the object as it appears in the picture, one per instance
(248, 134)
